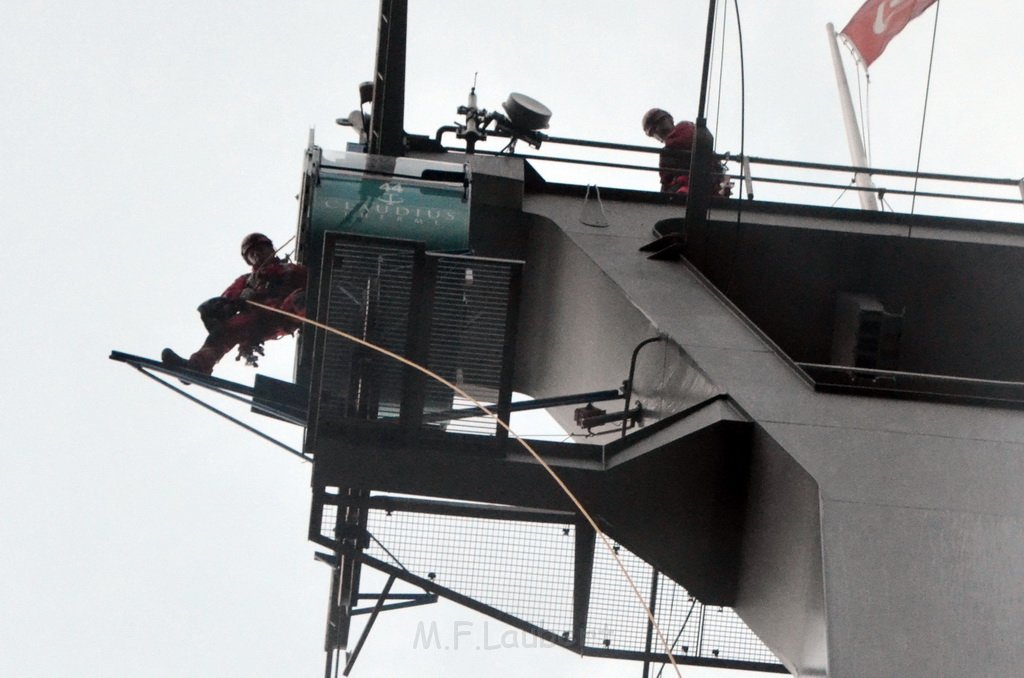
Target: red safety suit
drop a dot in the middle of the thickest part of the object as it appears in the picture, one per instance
(276, 283)
(675, 164)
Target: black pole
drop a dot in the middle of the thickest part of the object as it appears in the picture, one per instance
(652, 603)
(706, 70)
(698, 197)
(369, 625)
(387, 121)
(628, 390)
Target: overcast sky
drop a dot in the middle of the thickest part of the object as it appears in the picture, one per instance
(141, 535)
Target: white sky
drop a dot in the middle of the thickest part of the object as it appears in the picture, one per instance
(142, 536)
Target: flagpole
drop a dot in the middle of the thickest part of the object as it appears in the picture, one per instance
(857, 155)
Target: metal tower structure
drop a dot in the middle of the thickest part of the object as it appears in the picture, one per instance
(808, 419)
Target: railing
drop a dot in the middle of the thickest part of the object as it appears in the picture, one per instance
(773, 180)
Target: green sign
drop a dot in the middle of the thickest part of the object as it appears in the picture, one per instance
(391, 207)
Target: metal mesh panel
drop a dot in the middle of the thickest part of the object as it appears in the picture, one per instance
(679, 614)
(468, 328)
(526, 569)
(616, 619)
(328, 520)
(369, 295)
(521, 568)
(727, 637)
(453, 312)
(689, 627)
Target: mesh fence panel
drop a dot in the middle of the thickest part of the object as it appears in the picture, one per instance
(617, 621)
(370, 290)
(727, 637)
(526, 569)
(468, 326)
(453, 312)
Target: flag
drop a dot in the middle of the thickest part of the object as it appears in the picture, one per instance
(879, 21)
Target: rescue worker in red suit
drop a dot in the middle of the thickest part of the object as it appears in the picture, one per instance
(674, 162)
(232, 322)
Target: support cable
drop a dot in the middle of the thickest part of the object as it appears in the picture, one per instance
(864, 104)
(841, 194)
(924, 113)
(390, 554)
(745, 182)
(693, 603)
(867, 114)
(227, 416)
(743, 93)
(526, 445)
(721, 67)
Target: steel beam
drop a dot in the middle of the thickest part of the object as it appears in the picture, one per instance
(387, 134)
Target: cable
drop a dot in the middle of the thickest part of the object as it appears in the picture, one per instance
(867, 114)
(863, 98)
(390, 554)
(227, 416)
(721, 67)
(924, 113)
(743, 143)
(693, 603)
(842, 193)
(743, 89)
(558, 480)
(865, 126)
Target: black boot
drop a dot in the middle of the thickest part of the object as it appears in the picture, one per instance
(172, 359)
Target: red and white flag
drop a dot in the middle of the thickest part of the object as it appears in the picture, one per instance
(879, 21)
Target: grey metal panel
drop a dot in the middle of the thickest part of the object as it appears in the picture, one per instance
(704, 417)
(961, 302)
(910, 469)
(756, 380)
(876, 223)
(672, 299)
(930, 593)
(577, 332)
(655, 287)
(781, 593)
(932, 542)
(682, 505)
(962, 297)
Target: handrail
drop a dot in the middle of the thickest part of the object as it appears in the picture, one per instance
(995, 182)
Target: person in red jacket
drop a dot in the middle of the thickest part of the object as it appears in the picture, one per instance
(232, 322)
(674, 163)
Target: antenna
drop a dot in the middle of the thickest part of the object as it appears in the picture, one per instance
(476, 120)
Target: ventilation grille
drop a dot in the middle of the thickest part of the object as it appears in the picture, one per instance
(452, 314)
(368, 296)
(469, 324)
